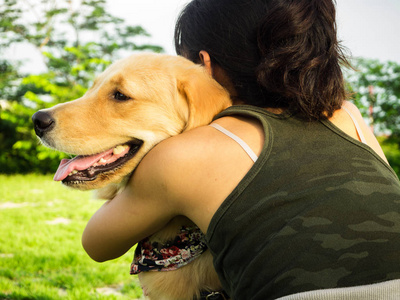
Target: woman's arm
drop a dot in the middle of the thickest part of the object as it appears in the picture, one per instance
(342, 119)
(369, 135)
(140, 210)
(190, 174)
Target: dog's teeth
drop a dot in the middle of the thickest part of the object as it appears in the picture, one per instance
(119, 149)
(73, 173)
(102, 161)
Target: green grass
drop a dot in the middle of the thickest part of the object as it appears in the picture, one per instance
(41, 258)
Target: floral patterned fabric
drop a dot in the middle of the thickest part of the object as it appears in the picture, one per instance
(188, 245)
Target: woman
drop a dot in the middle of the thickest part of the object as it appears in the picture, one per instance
(318, 210)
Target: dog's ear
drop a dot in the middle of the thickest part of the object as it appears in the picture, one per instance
(205, 97)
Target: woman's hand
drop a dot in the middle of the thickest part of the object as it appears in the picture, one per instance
(141, 209)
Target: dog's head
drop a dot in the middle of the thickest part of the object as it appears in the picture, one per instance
(133, 105)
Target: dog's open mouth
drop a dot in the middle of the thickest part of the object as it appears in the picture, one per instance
(87, 168)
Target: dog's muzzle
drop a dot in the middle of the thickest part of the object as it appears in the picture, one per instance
(43, 122)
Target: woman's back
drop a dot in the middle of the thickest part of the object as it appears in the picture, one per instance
(317, 210)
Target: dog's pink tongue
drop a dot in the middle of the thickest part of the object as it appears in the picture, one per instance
(78, 163)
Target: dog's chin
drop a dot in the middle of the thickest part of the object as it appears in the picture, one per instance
(99, 181)
(97, 177)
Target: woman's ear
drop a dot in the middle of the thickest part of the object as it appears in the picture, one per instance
(206, 61)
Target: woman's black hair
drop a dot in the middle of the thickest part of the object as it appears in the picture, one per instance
(277, 53)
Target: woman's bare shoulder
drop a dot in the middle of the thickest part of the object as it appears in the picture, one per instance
(179, 153)
(370, 138)
(195, 171)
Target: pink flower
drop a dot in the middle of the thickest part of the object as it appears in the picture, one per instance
(170, 252)
(185, 254)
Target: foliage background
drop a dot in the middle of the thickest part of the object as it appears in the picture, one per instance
(77, 43)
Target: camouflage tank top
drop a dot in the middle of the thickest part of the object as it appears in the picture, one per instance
(317, 210)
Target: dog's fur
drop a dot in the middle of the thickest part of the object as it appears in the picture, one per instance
(167, 95)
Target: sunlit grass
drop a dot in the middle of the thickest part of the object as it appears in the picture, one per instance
(41, 256)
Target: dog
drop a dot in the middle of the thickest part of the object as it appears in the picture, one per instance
(133, 105)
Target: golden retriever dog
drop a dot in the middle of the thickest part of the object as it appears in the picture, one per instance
(133, 105)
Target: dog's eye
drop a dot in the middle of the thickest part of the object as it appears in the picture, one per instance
(120, 97)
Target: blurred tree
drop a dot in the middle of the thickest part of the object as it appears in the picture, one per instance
(376, 91)
(77, 40)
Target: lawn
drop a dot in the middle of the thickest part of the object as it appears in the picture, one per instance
(41, 256)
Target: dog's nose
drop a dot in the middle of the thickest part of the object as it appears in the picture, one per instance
(43, 122)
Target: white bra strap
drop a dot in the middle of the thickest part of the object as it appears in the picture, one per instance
(359, 132)
(237, 139)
